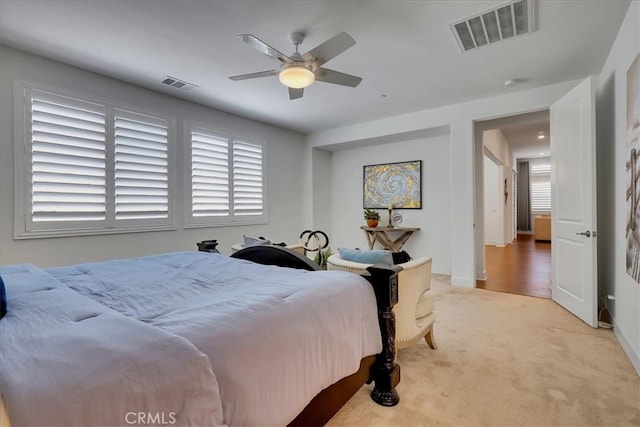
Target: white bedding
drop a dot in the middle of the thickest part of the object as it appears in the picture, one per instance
(274, 337)
(66, 360)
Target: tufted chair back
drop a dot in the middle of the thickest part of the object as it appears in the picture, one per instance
(415, 309)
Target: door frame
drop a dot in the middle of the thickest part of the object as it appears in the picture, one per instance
(479, 260)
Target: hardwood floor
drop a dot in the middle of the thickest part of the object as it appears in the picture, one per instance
(523, 267)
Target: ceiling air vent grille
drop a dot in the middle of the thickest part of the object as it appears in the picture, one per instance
(503, 22)
(177, 83)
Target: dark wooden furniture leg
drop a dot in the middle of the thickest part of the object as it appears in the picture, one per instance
(386, 372)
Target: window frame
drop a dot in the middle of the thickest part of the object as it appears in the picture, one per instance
(24, 227)
(192, 221)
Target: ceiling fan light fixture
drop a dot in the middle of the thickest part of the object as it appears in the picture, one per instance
(296, 77)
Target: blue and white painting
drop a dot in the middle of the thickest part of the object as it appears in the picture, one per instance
(396, 185)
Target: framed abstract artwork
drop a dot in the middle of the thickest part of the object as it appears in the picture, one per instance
(393, 184)
(633, 170)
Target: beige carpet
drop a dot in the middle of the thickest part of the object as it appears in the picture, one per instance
(506, 360)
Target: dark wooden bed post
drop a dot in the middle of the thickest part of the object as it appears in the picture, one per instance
(386, 372)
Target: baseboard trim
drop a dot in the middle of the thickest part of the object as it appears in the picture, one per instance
(463, 282)
(624, 343)
(439, 269)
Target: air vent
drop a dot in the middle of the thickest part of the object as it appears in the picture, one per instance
(503, 22)
(178, 84)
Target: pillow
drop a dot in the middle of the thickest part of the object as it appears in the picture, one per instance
(3, 299)
(252, 241)
(401, 257)
(366, 257)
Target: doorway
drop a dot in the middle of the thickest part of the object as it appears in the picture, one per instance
(517, 261)
(523, 267)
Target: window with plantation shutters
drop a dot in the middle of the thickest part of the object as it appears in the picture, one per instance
(68, 160)
(90, 168)
(209, 175)
(141, 167)
(247, 179)
(227, 179)
(540, 187)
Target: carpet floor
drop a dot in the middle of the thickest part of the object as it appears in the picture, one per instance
(506, 360)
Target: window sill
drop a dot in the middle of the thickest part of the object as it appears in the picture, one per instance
(227, 224)
(45, 234)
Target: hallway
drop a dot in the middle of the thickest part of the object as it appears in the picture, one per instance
(523, 267)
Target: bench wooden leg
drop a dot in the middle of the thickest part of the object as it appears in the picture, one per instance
(431, 342)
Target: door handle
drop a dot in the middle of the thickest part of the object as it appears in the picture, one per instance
(585, 233)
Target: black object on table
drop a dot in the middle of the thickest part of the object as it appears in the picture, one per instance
(208, 246)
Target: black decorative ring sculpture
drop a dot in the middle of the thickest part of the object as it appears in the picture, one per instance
(321, 242)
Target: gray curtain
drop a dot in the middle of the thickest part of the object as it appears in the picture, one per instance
(524, 197)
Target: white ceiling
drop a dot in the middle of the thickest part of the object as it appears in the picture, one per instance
(521, 131)
(405, 50)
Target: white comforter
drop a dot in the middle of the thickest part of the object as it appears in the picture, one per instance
(66, 360)
(274, 337)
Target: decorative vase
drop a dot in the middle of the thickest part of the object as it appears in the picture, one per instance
(372, 223)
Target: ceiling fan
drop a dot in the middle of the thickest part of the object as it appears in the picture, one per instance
(299, 71)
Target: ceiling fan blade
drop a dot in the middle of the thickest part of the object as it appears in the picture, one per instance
(255, 75)
(336, 77)
(330, 49)
(295, 93)
(264, 48)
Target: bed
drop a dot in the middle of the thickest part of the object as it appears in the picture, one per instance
(192, 338)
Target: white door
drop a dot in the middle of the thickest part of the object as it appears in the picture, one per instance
(573, 193)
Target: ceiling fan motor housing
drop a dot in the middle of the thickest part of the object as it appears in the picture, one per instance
(297, 39)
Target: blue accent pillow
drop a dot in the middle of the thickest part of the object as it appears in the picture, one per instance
(375, 256)
(3, 299)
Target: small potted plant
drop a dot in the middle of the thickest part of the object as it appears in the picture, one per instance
(321, 260)
(372, 217)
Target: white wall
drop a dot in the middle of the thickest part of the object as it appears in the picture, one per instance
(459, 120)
(322, 192)
(492, 214)
(611, 156)
(434, 219)
(495, 142)
(284, 149)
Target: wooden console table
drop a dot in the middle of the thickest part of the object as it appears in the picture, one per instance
(380, 235)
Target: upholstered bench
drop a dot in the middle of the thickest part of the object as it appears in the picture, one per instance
(415, 309)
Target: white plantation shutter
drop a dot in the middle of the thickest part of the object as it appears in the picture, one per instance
(209, 175)
(89, 167)
(541, 195)
(541, 187)
(247, 179)
(227, 179)
(541, 169)
(68, 160)
(141, 167)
